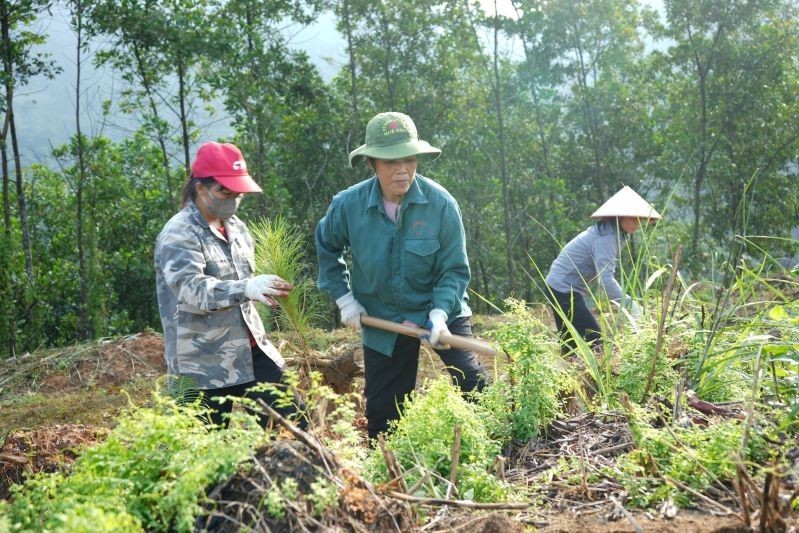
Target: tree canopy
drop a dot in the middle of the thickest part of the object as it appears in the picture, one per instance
(693, 105)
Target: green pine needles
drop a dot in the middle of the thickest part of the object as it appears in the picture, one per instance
(279, 251)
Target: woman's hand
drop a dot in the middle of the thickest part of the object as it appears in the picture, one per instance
(260, 288)
(437, 322)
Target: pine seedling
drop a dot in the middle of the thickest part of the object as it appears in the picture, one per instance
(279, 250)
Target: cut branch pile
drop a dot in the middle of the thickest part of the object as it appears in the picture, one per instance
(239, 502)
(574, 450)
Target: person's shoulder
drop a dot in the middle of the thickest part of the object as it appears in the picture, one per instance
(353, 197)
(432, 188)
(605, 236)
(605, 230)
(181, 222)
(362, 188)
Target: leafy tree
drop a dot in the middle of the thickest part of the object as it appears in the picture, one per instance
(123, 209)
(20, 64)
(269, 90)
(592, 48)
(156, 46)
(731, 88)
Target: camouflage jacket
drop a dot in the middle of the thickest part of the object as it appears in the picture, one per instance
(200, 280)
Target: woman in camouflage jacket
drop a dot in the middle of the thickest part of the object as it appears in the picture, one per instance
(214, 339)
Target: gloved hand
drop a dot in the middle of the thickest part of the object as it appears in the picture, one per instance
(437, 323)
(351, 311)
(260, 288)
(631, 306)
(636, 310)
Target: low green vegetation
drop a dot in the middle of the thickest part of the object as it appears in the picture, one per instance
(733, 350)
(149, 474)
(422, 443)
(667, 460)
(526, 396)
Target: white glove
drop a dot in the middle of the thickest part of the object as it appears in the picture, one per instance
(261, 287)
(351, 311)
(636, 310)
(632, 307)
(437, 322)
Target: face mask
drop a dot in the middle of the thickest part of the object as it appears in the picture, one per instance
(223, 208)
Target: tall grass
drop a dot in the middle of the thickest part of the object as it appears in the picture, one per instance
(705, 329)
(638, 274)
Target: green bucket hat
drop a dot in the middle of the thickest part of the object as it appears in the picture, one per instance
(392, 136)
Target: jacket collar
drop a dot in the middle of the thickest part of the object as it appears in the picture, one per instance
(607, 227)
(415, 195)
(232, 224)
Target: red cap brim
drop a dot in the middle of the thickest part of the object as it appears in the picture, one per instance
(238, 183)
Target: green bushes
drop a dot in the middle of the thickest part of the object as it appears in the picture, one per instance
(697, 457)
(149, 474)
(636, 350)
(527, 398)
(422, 442)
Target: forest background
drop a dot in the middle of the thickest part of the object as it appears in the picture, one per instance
(692, 103)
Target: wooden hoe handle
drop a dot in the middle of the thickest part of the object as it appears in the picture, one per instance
(464, 343)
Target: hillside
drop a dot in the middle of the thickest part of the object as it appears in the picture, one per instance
(53, 402)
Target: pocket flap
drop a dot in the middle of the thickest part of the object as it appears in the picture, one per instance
(422, 247)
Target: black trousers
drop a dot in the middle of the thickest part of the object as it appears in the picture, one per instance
(573, 306)
(389, 379)
(266, 371)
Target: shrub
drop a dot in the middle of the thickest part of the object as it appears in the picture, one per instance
(150, 473)
(696, 457)
(527, 399)
(635, 355)
(422, 441)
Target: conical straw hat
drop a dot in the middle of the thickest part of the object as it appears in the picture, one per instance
(626, 203)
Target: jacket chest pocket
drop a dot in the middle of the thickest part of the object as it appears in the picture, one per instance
(420, 257)
(220, 266)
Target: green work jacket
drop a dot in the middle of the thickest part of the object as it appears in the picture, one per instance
(398, 271)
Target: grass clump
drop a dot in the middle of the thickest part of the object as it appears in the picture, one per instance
(149, 474)
(422, 442)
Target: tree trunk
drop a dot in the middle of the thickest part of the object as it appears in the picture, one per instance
(6, 177)
(84, 310)
(590, 119)
(9, 297)
(184, 121)
(387, 64)
(148, 90)
(8, 68)
(502, 160)
(356, 119)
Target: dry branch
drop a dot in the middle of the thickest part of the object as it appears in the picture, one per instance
(458, 503)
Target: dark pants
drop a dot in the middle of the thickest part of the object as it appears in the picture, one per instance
(389, 379)
(266, 371)
(573, 306)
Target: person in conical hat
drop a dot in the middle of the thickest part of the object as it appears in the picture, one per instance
(592, 256)
(408, 265)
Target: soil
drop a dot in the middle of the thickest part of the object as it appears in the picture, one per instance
(135, 363)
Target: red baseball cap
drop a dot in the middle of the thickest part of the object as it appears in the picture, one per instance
(224, 163)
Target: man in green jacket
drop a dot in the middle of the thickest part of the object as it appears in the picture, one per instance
(408, 265)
